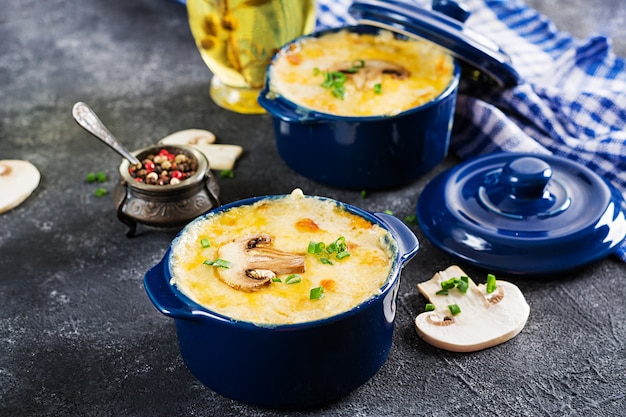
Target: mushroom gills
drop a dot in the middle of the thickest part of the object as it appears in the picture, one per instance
(371, 72)
(254, 263)
(485, 319)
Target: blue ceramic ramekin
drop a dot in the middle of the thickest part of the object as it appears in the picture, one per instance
(362, 153)
(286, 366)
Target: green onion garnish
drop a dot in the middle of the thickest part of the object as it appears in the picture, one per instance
(219, 263)
(454, 309)
(316, 71)
(378, 88)
(227, 173)
(276, 279)
(442, 292)
(363, 193)
(388, 212)
(463, 285)
(91, 177)
(343, 254)
(326, 261)
(410, 219)
(429, 307)
(316, 293)
(491, 283)
(358, 63)
(449, 284)
(293, 279)
(101, 176)
(101, 192)
(315, 247)
(205, 243)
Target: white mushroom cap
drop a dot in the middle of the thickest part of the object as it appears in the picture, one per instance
(18, 179)
(485, 319)
(220, 156)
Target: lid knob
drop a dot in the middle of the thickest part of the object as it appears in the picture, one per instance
(526, 177)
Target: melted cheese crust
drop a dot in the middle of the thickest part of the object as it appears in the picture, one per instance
(297, 73)
(293, 222)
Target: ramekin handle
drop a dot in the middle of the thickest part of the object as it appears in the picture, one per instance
(408, 244)
(161, 294)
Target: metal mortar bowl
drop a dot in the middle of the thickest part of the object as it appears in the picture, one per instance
(165, 206)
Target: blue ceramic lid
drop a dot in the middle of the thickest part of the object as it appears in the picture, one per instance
(523, 214)
(443, 25)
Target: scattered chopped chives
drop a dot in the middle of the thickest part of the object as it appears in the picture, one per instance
(101, 176)
(341, 255)
(378, 88)
(316, 293)
(442, 292)
(91, 177)
(326, 261)
(491, 283)
(276, 279)
(463, 285)
(205, 243)
(293, 279)
(410, 219)
(388, 212)
(100, 192)
(316, 71)
(363, 193)
(316, 247)
(219, 263)
(454, 309)
(429, 307)
(449, 284)
(227, 173)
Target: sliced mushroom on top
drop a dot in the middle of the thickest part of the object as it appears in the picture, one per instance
(254, 263)
(368, 73)
(485, 319)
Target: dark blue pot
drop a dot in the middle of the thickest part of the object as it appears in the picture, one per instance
(362, 153)
(286, 366)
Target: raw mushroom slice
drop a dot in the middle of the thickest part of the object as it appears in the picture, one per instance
(253, 263)
(485, 320)
(220, 156)
(18, 179)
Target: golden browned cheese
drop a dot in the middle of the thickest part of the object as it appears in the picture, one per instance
(298, 73)
(289, 220)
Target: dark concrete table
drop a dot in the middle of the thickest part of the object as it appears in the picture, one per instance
(78, 335)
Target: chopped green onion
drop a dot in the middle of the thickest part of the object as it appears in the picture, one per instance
(429, 307)
(343, 254)
(326, 261)
(335, 81)
(388, 212)
(463, 285)
(449, 284)
(101, 176)
(276, 279)
(378, 88)
(205, 243)
(227, 173)
(454, 309)
(91, 177)
(219, 263)
(363, 193)
(316, 71)
(100, 192)
(315, 247)
(293, 279)
(316, 293)
(491, 283)
(410, 219)
(442, 292)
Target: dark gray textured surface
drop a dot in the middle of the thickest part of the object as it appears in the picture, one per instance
(78, 335)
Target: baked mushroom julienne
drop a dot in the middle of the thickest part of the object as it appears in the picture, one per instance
(465, 317)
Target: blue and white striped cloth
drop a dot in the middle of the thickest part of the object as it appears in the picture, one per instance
(571, 102)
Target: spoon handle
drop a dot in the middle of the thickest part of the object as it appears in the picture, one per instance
(85, 116)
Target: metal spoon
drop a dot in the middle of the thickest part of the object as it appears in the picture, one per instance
(85, 116)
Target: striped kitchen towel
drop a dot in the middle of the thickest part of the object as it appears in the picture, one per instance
(571, 101)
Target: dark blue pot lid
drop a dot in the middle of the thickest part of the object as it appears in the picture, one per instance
(523, 214)
(442, 25)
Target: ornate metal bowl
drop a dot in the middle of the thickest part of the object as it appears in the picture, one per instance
(165, 206)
